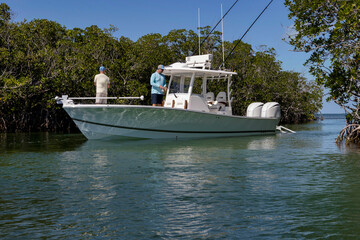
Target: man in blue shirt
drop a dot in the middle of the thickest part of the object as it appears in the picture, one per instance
(158, 86)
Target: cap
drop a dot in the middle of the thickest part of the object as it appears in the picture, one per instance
(161, 67)
(102, 68)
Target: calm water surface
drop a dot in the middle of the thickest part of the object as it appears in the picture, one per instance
(286, 186)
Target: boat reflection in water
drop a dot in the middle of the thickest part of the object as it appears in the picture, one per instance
(179, 181)
(262, 143)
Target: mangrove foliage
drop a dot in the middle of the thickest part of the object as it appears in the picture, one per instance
(41, 59)
(330, 31)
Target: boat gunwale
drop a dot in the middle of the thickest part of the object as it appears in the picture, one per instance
(160, 108)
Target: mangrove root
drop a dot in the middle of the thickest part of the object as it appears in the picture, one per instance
(350, 133)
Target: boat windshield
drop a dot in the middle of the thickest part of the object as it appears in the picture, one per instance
(175, 85)
(180, 84)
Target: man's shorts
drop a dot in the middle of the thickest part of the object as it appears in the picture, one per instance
(101, 101)
(156, 98)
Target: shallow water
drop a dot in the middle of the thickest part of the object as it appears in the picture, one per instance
(302, 185)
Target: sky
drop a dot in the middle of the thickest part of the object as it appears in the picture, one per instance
(136, 18)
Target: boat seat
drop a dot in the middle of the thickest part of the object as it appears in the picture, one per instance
(210, 97)
(219, 104)
(221, 97)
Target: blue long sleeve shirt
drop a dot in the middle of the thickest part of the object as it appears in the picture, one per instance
(156, 81)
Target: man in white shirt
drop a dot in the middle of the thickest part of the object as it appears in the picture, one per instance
(102, 83)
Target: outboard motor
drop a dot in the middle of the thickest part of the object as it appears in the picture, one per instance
(254, 109)
(271, 110)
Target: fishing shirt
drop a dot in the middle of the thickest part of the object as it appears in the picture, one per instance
(156, 81)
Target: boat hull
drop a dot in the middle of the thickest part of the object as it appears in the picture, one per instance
(128, 121)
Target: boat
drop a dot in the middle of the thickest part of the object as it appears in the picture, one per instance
(188, 111)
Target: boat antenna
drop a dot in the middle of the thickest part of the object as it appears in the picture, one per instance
(199, 29)
(222, 34)
(222, 64)
(216, 25)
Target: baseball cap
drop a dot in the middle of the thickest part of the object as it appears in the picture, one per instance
(102, 68)
(161, 67)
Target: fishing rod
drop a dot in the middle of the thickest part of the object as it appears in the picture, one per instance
(245, 34)
(215, 26)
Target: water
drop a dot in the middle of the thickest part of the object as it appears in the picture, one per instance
(287, 186)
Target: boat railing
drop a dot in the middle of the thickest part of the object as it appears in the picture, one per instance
(65, 99)
(115, 98)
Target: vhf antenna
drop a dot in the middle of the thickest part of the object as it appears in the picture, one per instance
(222, 35)
(199, 30)
(216, 25)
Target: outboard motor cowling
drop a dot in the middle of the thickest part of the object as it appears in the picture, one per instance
(271, 110)
(254, 109)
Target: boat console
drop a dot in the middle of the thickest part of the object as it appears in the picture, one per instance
(188, 86)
